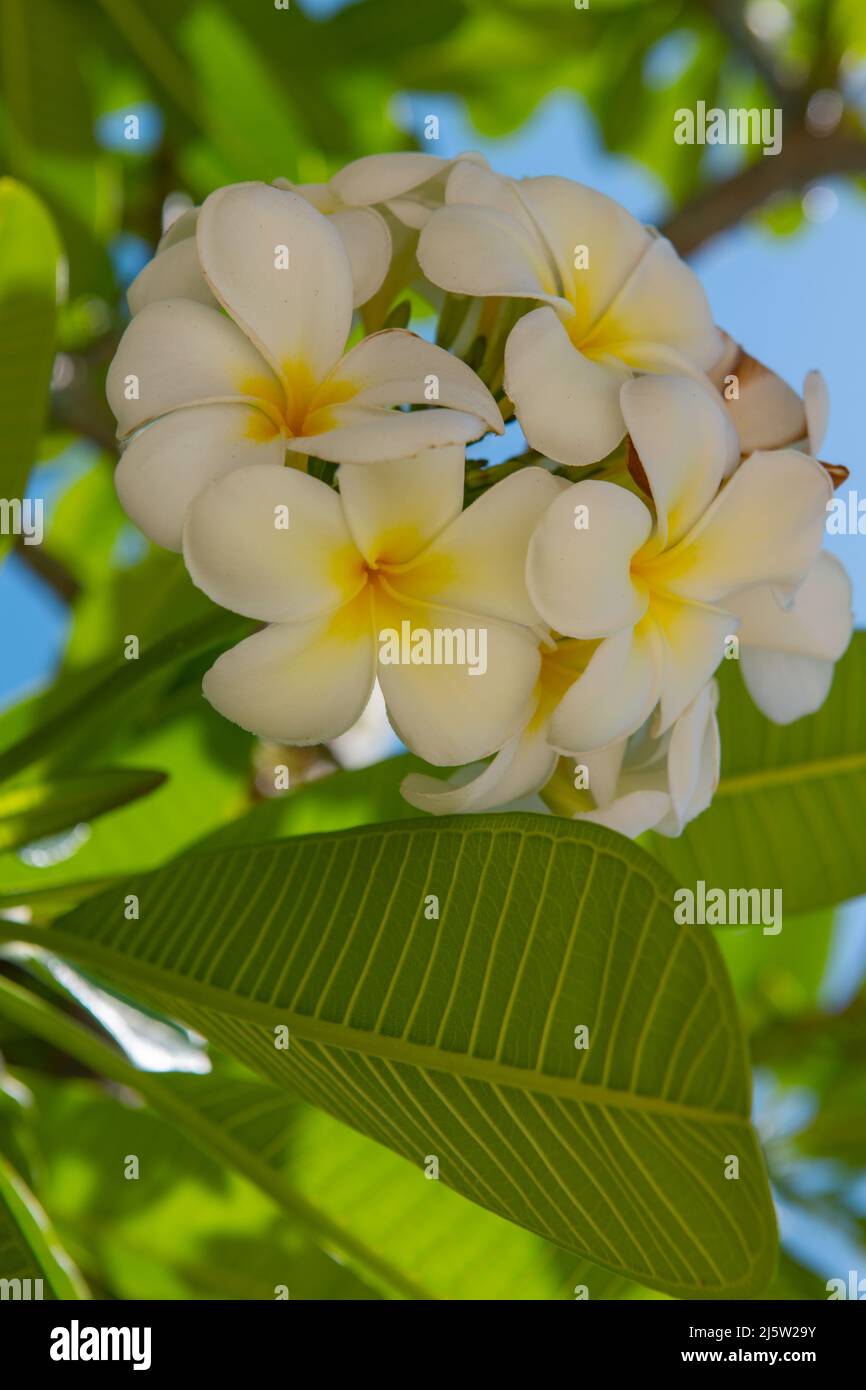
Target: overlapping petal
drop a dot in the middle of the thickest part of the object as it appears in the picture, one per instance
(239, 550)
(442, 712)
(395, 367)
(686, 446)
(787, 655)
(521, 767)
(765, 526)
(579, 577)
(567, 404)
(660, 319)
(395, 509)
(298, 683)
(615, 695)
(281, 271)
(174, 273)
(478, 561)
(167, 464)
(569, 215)
(177, 353)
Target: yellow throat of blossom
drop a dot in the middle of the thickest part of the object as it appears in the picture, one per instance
(388, 589)
(301, 407)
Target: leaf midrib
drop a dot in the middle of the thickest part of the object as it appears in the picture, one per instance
(422, 1055)
(810, 771)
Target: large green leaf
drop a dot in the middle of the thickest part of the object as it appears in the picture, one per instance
(790, 800)
(455, 1037)
(403, 1235)
(31, 810)
(28, 287)
(124, 684)
(29, 1249)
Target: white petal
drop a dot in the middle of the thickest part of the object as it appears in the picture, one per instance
(396, 367)
(766, 525)
(394, 509)
(367, 241)
(604, 767)
(693, 643)
(579, 578)
(570, 215)
(237, 553)
(445, 714)
(567, 405)
(787, 654)
(472, 249)
(376, 435)
(321, 195)
(521, 767)
(299, 317)
(377, 177)
(686, 444)
(181, 228)
(614, 696)
(478, 562)
(300, 683)
(817, 403)
(786, 685)
(631, 814)
(178, 353)
(168, 463)
(694, 755)
(172, 274)
(662, 305)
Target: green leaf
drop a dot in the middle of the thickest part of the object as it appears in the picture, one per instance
(29, 252)
(126, 683)
(455, 1037)
(206, 765)
(339, 801)
(29, 1249)
(409, 1237)
(787, 811)
(35, 809)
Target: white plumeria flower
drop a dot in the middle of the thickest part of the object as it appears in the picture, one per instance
(368, 201)
(788, 649)
(392, 547)
(634, 785)
(601, 566)
(376, 204)
(617, 298)
(219, 391)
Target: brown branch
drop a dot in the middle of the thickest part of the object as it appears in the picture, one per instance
(728, 18)
(803, 157)
(52, 571)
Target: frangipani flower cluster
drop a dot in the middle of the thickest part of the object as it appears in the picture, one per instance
(563, 614)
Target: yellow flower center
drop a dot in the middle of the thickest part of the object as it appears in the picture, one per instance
(302, 407)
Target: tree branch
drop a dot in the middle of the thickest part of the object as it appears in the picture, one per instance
(728, 17)
(803, 157)
(49, 569)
